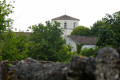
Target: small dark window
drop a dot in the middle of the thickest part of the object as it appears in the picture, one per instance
(65, 25)
(74, 24)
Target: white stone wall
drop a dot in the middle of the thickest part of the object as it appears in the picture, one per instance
(74, 46)
(88, 46)
(69, 25)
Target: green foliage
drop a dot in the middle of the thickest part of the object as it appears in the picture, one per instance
(65, 54)
(81, 31)
(97, 26)
(9, 64)
(79, 47)
(5, 21)
(14, 47)
(5, 10)
(87, 52)
(0, 58)
(110, 35)
(46, 43)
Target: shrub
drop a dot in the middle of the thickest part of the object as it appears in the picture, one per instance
(89, 52)
(14, 47)
(0, 57)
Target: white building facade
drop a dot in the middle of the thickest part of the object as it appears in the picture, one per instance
(88, 42)
(67, 23)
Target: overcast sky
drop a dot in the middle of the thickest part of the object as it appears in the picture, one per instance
(30, 12)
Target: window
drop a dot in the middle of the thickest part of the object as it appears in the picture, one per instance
(65, 25)
(74, 24)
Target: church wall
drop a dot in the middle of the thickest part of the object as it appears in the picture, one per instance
(69, 25)
(74, 46)
(88, 46)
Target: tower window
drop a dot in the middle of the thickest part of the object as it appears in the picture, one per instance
(65, 25)
(74, 24)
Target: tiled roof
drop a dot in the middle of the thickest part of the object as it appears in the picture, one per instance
(26, 33)
(84, 40)
(65, 17)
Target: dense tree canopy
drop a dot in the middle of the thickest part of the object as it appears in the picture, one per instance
(81, 31)
(46, 43)
(5, 10)
(97, 26)
(110, 34)
(12, 46)
(15, 46)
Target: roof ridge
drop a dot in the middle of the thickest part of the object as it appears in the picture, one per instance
(65, 17)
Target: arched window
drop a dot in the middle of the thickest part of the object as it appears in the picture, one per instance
(74, 24)
(65, 25)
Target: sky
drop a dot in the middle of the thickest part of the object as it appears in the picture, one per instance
(31, 12)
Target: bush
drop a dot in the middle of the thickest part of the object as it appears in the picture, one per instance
(0, 58)
(65, 54)
(89, 52)
(14, 46)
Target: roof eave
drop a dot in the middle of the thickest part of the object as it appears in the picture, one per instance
(65, 19)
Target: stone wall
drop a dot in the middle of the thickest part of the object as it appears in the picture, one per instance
(105, 66)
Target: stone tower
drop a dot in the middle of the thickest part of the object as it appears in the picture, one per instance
(67, 23)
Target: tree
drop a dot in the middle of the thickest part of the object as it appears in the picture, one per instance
(15, 46)
(110, 35)
(81, 31)
(12, 46)
(46, 42)
(5, 10)
(97, 26)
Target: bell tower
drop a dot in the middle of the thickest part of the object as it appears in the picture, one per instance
(67, 23)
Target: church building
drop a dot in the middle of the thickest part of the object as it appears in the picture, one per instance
(67, 23)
